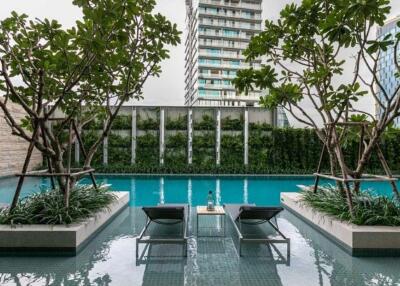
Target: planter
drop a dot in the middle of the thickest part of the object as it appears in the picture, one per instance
(372, 241)
(57, 240)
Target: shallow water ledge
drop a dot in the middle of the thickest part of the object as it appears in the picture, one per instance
(367, 241)
(57, 240)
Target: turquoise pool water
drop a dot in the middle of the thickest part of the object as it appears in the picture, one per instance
(152, 190)
(109, 259)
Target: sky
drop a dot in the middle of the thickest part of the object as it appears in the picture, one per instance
(168, 89)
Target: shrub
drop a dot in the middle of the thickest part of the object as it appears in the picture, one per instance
(47, 207)
(369, 209)
(179, 123)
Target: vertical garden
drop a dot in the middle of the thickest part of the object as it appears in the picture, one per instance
(133, 145)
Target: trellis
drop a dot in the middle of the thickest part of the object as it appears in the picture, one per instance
(345, 178)
(40, 130)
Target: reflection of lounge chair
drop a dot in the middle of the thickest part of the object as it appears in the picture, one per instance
(254, 215)
(165, 215)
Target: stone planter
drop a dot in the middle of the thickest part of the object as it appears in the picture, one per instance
(374, 241)
(57, 240)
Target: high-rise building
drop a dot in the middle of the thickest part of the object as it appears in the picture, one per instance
(217, 33)
(386, 68)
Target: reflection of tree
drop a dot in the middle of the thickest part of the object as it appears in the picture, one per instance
(67, 270)
(340, 267)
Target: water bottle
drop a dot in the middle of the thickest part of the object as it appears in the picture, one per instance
(210, 201)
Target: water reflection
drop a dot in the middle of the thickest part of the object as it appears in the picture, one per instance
(110, 260)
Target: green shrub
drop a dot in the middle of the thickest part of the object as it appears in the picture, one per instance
(207, 123)
(48, 207)
(232, 124)
(147, 124)
(260, 126)
(369, 209)
(122, 122)
(178, 124)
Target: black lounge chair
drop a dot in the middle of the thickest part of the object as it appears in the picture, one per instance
(165, 215)
(254, 215)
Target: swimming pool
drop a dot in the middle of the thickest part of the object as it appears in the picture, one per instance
(152, 190)
(109, 259)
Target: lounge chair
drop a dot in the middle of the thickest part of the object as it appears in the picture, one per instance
(165, 215)
(254, 215)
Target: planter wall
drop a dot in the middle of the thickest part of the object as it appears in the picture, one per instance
(372, 241)
(57, 240)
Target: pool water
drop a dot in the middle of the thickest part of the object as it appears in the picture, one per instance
(109, 259)
(152, 190)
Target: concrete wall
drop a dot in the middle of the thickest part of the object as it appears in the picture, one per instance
(12, 148)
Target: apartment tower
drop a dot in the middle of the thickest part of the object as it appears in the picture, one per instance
(217, 33)
(386, 68)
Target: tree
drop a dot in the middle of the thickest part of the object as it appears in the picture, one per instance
(304, 51)
(88, 71)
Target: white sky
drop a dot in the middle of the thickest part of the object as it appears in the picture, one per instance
(169, 88)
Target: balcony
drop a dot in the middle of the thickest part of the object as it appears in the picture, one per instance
(222, 55)
(236, 15)
(223, 44)
(232, 4)
(214, 34)
(237, 25)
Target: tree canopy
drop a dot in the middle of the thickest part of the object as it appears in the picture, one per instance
(89, 70)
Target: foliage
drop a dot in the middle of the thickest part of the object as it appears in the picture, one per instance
(177, 140)
(304, 52)
(369, 209)
(147, 140)
(260, 126)
(47, 207)
(93, 125)
(148, 149)
(179, 123)
(207, 123)
(199, 166)
(232, 149)
(88, 138)
(119, 148)
(86, 72)
(122, 122)
(147, 124)
(278, 150)
(227, 123)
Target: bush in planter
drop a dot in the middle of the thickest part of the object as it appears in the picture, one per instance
(48, 207)
(207, 123)
(260, 126)
(232, 124)
(369, 209)
(147, 124)
(122, 122)
(232, 150)
(177, 140)
(178, 124)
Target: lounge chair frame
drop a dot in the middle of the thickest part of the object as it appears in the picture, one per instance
(181, 240)
(243, 239)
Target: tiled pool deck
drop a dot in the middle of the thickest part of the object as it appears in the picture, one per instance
(110, 260)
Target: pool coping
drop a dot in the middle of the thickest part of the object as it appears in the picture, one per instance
(58, 240)
(358, 241)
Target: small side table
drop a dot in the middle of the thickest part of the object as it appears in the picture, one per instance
(218, 211)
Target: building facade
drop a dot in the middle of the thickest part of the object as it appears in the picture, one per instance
(217, 33)
(386, 66)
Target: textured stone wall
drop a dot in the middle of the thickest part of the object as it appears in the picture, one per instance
(12, 148)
